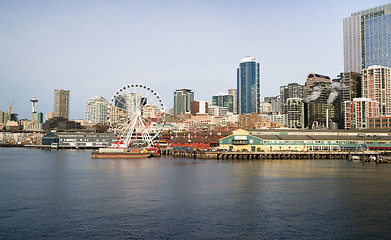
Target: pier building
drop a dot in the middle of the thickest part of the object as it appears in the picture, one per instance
(305, 140)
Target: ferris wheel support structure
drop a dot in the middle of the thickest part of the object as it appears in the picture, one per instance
(136, 116)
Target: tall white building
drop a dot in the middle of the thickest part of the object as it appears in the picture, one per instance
(376, 85)
(358, 111)
(96, 110)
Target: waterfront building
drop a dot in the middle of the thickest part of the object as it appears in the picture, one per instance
(380, 122)
(313, 78)
(234, 93)
(265, 140)
(367, 39)
(78, 140)
(182, 101)
(358, 111)
(96, 110)
(223, 100)
(295, 113)
(292, 90)
(376, 85)
(248, 85)
(199, 107)
(61, 103)
(194, 140)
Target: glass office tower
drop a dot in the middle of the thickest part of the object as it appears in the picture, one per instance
(248, 85)
(367, 39)
(182, 101)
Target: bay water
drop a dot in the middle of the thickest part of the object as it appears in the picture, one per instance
(46, 194)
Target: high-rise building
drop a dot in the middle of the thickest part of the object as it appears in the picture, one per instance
(182, 101)
(268, 99)
(318, 106)
(61, 103)
(224, 100)
(313, 78)
(276, 104)
(367, 39)
(295, 113)
(4, 117)
(37, 117)
(292, 90)
(96, 110)
(234, 93)
(351, 85)
(376, 85)
(358, 111)
(248, 85)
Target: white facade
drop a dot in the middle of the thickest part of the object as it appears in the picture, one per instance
(217, 111)
(265, 107)
(96, 110)
(376, 85)
(358, 111)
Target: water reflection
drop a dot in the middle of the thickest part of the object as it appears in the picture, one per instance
(66, 194)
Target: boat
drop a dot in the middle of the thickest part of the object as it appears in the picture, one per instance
(120, 153)
(355, 158)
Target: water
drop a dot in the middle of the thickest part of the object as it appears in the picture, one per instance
(67, 195)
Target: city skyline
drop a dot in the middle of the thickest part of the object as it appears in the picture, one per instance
(94, 48)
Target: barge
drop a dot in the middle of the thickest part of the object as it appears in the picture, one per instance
(120, 153)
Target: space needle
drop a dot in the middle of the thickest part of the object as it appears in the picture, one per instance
(34, 101)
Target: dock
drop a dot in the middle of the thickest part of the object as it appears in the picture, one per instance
(272, 155)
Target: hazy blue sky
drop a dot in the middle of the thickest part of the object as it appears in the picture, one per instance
(93, 48)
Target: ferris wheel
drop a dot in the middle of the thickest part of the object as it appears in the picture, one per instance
(136, 116)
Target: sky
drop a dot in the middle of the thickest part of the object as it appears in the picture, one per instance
(93, 48)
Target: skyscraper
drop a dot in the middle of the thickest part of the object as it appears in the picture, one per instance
(96, 110)
(234, 93)
(313, 78)
(61, 103)
(224, 100)
(376, 85)
(367, 39)
(182, 101)
(292, 90)
(248, 85)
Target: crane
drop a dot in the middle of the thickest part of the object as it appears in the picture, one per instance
(10, 105)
